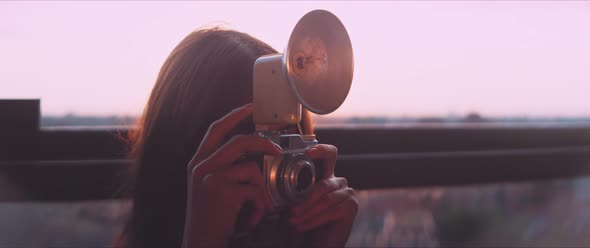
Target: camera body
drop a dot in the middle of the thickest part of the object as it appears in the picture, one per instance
(315, 71)
(290, 176)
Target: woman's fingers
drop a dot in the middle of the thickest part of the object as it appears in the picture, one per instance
(248, 173)
(245, 173)
(328, 155)
(319, 191)
(241, 145)
(328, 201)
(343, 211)
(220, 129)
(235, 149)
(256, 195)
(238, 185)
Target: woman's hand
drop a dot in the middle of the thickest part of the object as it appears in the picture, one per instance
(329, 211)
(219, 185)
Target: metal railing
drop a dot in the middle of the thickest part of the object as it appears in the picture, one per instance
(82, 164)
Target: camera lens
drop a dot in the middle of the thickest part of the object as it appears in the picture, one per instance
(304, 179)
(297, 177)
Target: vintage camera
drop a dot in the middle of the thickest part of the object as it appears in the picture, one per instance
(315, 71)
(289, 177)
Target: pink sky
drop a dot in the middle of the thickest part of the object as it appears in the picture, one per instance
(501, 58)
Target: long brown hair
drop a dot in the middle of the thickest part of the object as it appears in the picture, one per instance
(208, 74)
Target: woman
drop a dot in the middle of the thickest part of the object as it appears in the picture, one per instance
(190, 188)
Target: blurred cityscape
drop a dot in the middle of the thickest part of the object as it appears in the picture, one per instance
(535, 214)
(541, 214)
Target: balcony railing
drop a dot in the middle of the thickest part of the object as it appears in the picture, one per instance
(81, 164)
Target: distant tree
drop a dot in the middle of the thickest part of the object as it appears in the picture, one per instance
(474, 117)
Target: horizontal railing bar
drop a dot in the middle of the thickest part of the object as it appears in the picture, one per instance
(112, 144)
(69, 180)
(478, 153)
(379, 156)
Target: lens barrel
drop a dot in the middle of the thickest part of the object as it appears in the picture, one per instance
(298, 175)
(302, 176)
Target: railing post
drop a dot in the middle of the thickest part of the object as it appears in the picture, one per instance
(18, 116)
